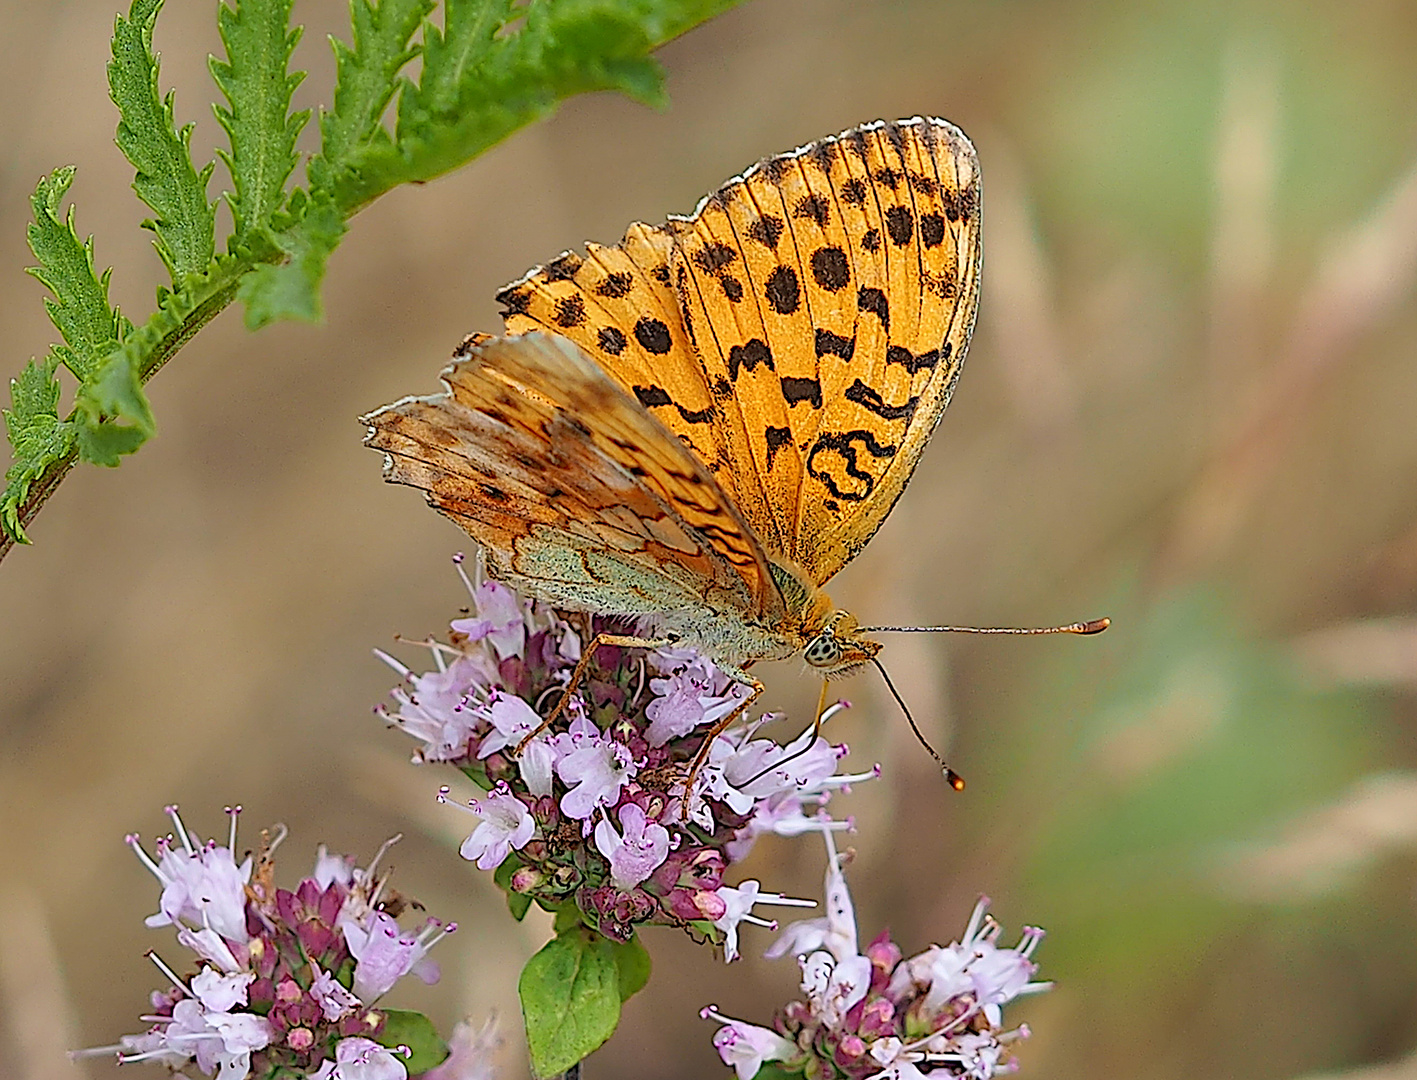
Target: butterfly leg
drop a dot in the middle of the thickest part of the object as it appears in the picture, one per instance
(624, 641)
(723, 724)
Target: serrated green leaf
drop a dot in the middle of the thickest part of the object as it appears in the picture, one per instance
(366, 75)
(632, 966)
(185, 223)
(452, 55)
(80, 308)
(292, 290)
(416, 1032)
(570, 1000)
(112, 412)
(476, 91)
(37, 436)
(257, 82)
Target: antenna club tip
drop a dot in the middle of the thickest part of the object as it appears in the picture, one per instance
(953, 779)
(1094, 626)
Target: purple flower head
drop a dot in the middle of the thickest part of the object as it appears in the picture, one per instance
(385, 954)
(202, 886)
(597, 809)
(499, 620)
(874, 1015)
(273, 993)
(595, 770)
(358, 1058)
(747, 1047)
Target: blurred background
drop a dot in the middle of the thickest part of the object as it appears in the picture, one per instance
(1189, 406)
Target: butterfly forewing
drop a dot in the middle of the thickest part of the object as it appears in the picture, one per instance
(916, 292)
(814, 314)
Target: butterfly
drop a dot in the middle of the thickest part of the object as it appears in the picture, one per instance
(698, 427)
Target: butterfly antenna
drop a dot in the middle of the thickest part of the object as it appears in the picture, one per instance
(951, 777)
(1092, 626)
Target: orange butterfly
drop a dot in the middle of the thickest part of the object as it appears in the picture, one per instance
(700, 426)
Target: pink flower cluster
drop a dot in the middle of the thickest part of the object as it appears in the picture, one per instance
(595, 811)
(873, 1014)
(286, 982)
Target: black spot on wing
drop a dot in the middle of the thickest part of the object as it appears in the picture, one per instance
(853, 192)
(926, 185)
(766, 230)
(777, 438)
(841, 448)
(570, 311)
(795, 390)
(835, 345)
(813, 207)
(713, 257)
(932, 230)
(656, 396)
(651, 396)
(782, 290)
(830, 268)
(514, 301)
(888, 177)
(913, 362)
(563, 267)
(900, 223)
(611, 339)
(749, 355)
(871, 240)
(653, 335)
(871, 299)
(616, 285)
(868, 398)
(732, 287)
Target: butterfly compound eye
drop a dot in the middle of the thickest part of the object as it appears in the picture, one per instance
(822, 651)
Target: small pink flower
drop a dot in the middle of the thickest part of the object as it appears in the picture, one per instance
(639, 853)
(505, 824)
(746, 1047)
(596, 772)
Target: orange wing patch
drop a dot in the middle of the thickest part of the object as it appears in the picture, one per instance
(618, 305)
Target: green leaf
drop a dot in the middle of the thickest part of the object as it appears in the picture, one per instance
(451, 58)
(80, 307)
(416, 1032)
(37, 436)
(570, 1000)
(112, 412)
(257, 82)
(773, 1070)
(366, 76)
(632, 965)
(292, 290)
(479, 85)
(166, 180)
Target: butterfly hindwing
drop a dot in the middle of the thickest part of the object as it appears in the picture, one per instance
(576, 492)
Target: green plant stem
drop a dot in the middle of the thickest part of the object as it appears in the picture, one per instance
(221, 293)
